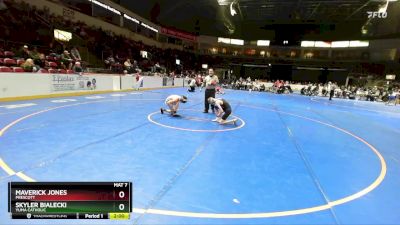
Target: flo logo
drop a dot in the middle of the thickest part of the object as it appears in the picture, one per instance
(382, 12)
(380, 15)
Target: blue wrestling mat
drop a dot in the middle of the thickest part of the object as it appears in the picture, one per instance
(289, 159)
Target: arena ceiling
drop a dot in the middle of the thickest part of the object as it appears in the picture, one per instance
(261, 18)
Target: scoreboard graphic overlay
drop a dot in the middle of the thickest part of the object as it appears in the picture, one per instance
(72, 200)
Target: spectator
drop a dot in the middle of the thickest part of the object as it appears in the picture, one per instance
(136, 67)
(192, 85)
(29, 66)
(157, 67)
(139, 81)
(82, 33)
(24, 52)
(3, 6)
(41, 61)
(75, 54)
(66, 59)
(331, 90)
(55, 49)
(62, 66)
(77, 68)
(128, 66)
(34, 54)
(110, 61)
(118, 58)
(287, 87)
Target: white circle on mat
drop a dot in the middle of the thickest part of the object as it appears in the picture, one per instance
(242, 124)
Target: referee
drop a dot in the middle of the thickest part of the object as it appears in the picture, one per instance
(211, 81)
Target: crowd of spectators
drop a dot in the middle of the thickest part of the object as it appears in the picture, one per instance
(374, 93)
(33, 60)
(121, 55)
(359, 92)
(35, 28)
(30, 43)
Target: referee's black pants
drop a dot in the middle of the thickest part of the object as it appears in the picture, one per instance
(208, 93)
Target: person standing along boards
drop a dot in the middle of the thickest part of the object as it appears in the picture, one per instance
(139, 81)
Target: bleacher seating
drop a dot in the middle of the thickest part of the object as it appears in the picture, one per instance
(9, 54)
(20, 61)
(9, 62)
(101, 44)
(52, 65)
(5, 69)
(62, 71)
(18, 70)
(43, 71)
(51, 58)
(98, 42)
(53, 71)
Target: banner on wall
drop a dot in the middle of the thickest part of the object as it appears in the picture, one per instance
(178, 34)
(63, 82)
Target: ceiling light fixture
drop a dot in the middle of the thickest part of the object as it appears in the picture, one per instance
(223, 2)
(233, 11)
